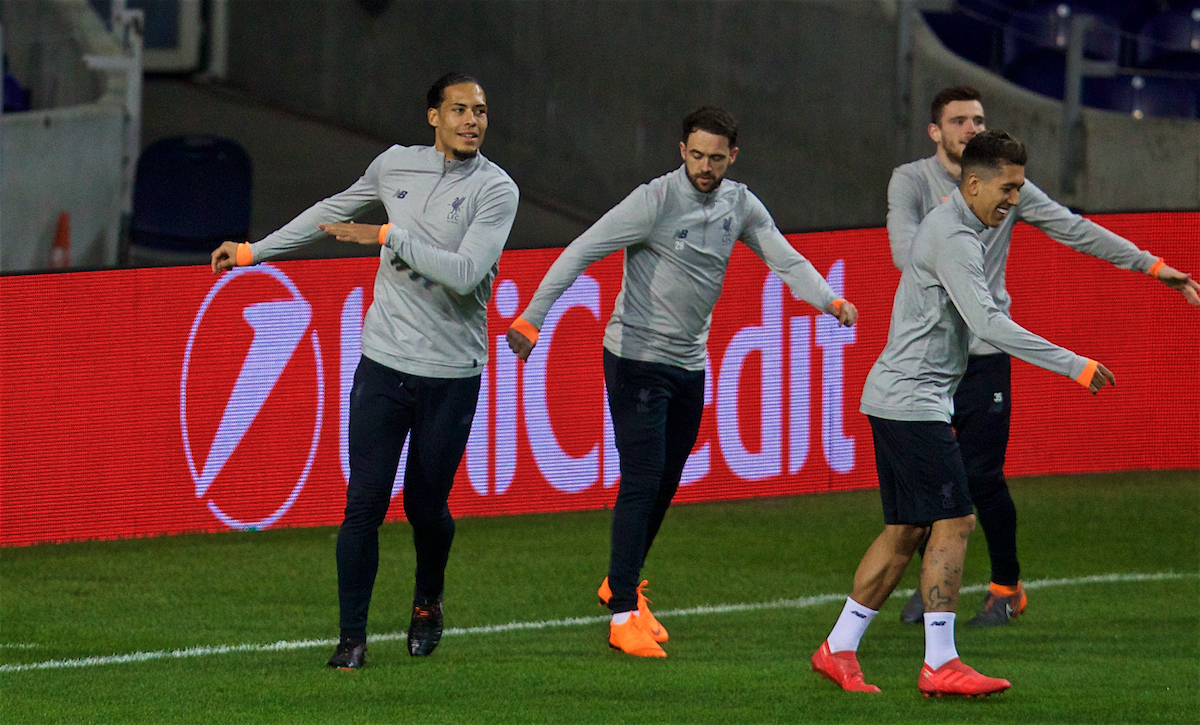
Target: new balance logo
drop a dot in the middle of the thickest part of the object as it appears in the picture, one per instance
(401, 194)
(938, 624)
(681, 234)
(860, 615)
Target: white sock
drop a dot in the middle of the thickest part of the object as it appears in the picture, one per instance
(939, 638)
(623, 617)
(850, 626)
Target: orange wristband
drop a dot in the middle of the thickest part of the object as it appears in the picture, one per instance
(522, 326)
(837, 304)
(244, 257)
(1153, 271)
(1089, 371)
(383, 230)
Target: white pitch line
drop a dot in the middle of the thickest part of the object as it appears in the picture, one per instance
(18, 645)
(800, 603)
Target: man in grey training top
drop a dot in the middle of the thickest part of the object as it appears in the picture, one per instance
(677, 233)
(424, 342)
(983, 401)
(941, 301)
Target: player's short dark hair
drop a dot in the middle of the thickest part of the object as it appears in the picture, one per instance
(990, 150)
(947, 95)
(714, 120)
(437, 92)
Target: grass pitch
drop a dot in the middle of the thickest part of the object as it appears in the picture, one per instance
(1100, 651)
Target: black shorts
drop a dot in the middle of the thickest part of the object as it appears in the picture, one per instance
(921, 473)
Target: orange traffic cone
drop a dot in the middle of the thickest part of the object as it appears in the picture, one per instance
(60, 253)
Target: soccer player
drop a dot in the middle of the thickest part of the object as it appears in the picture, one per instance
(677, 233)
(942, 299)
(983, 403)
(424, 342)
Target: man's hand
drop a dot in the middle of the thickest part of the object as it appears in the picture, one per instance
(519, 344)
(1184, 283)
(224, 257)
(846, 312)
(1100, 378)
(351, 232)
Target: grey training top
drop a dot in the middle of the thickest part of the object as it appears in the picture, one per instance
(677, 242)
(450, 220)
(943, 296)
(917, 187)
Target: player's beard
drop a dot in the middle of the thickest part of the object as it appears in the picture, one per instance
(716, 182)
(952, 151)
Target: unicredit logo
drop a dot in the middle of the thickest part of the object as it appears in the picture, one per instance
(253, 390)
(251, 381)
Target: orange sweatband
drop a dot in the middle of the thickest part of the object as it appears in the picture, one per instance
(522, 326)
(244, 257)
(383, 230)
(1153, 271)
(837, 304)
(1089, 371)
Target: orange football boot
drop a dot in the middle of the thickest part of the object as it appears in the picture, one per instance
(632, 639)
(645, 616)
(958, 680)
(841, 668)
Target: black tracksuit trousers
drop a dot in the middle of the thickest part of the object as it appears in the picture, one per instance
(656, 411)
(386, 406)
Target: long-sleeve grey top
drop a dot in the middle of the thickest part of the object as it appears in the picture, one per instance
(450, 220)
(677, 242)
(943, 296)
(917, 187)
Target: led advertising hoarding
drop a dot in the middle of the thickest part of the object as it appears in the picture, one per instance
(159, 401)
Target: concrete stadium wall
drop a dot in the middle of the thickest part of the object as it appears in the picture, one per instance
(587, 96)
(62, 158)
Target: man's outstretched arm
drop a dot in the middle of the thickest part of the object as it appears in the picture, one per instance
(627, 223)
(1083, 235)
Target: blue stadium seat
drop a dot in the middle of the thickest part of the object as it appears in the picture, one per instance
(967, 36)
(998, 11)
(1175, 31)
(16, 96)
(1181, 67)
(1042, 71)
(190, 194)
(1141, 96)
(1048, 27)
(1129, 15)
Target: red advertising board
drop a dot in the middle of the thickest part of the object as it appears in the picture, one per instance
(159, 401)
